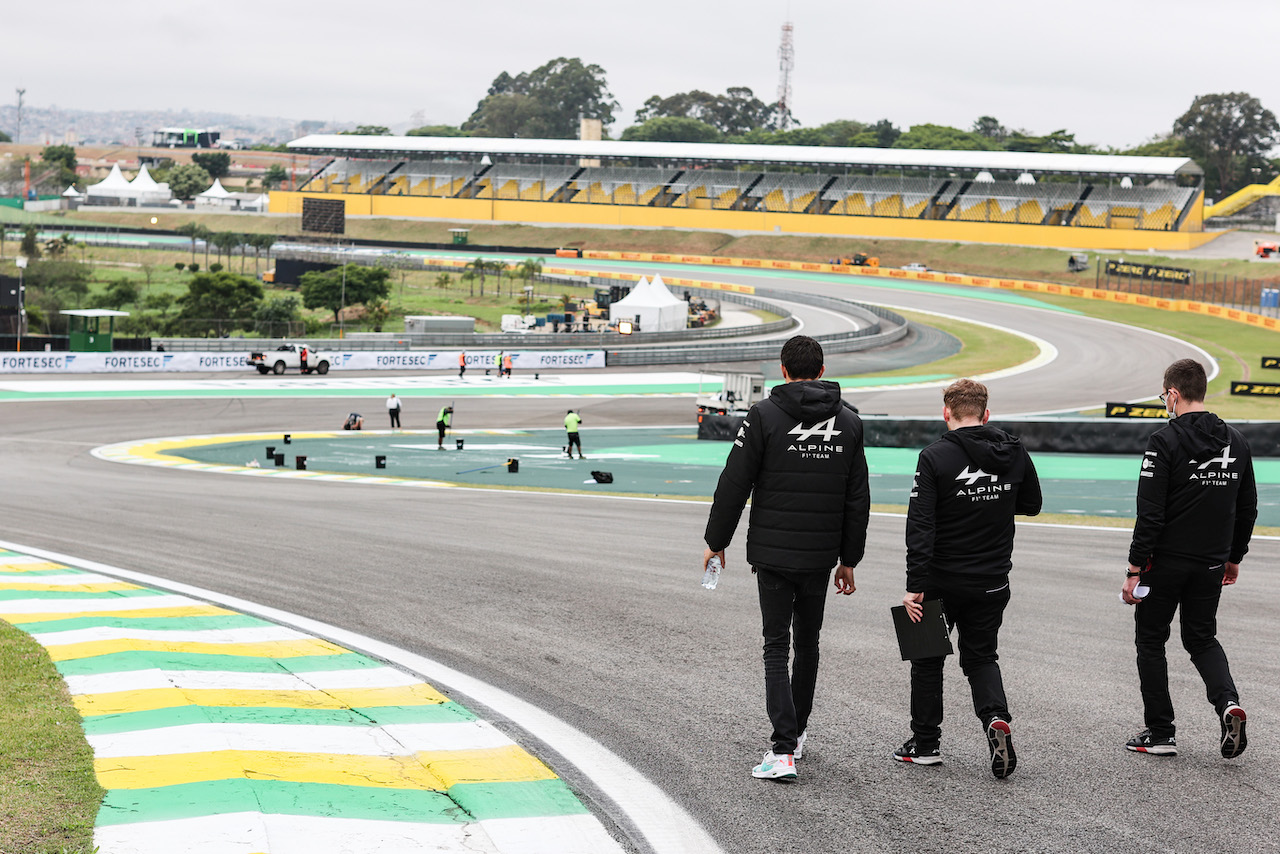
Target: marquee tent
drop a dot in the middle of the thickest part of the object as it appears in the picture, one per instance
(657, 308)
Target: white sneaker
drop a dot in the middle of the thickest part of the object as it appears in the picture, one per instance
(799, 754)
(775, 767)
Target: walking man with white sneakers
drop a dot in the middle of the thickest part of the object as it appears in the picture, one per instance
(799, 456)
(1197, 502)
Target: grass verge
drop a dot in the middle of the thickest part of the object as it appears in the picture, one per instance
(983, 349)
(49, 795)
(1237, 348)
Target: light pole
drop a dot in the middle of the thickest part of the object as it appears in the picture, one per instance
(22, 299)
(18, 134)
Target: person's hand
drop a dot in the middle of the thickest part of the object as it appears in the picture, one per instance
(1230, 572)
(1130, 584)
(915, 610)
(844, 580)
(707, 555)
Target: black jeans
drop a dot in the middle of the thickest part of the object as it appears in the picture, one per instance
(975, 605)
(1196, 590)
(395, 417)
(791, 606)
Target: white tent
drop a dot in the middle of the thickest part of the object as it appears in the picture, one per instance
(216, 195)
(72, 193)
(114, 185)
(657, 308)
(145, 189)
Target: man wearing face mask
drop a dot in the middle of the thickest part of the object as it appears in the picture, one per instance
(1197, 502)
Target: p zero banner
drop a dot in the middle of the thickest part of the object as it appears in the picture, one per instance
(1177, 275)
(1271, 361)
(1135, 410)
(361, 360)
(1259, 389)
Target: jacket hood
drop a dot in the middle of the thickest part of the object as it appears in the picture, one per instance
(807, 401)
(990, 448)
(1201, 433)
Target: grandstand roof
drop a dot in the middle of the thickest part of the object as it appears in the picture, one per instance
(344, 145)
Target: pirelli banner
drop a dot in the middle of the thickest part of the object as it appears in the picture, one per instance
(1271, 362)
(1135, 410)
(1151, 272)
(1256, 389)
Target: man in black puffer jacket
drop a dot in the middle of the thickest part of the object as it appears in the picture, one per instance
(799, 456)
(968, 486)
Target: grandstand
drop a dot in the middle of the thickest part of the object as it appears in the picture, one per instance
(1088, 201)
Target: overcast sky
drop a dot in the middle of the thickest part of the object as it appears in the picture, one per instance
(1115, 72)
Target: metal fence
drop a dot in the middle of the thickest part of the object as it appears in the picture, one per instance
(1239, 292)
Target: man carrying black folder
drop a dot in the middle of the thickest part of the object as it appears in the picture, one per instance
(799, 456)
(968, 486)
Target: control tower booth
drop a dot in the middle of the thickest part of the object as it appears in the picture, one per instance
(85, 329)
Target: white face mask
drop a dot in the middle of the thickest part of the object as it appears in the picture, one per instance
(1169, 408)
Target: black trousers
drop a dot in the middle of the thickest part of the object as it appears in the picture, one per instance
(1196, 591)
(791, 607)
(574, 440)
(395, 416)
(974, 605)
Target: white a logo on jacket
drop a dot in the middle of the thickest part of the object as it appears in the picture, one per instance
(804, 442)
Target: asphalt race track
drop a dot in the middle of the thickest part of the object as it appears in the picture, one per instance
(591, 610)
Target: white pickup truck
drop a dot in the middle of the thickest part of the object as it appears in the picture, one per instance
(289, 356)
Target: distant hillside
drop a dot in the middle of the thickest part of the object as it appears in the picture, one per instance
(121, 127)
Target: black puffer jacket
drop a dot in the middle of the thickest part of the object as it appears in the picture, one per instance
(799, 455)
(1197, 498)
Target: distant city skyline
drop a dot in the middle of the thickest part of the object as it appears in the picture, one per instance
(1115, 74)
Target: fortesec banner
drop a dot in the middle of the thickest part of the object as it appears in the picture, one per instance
(362, 360)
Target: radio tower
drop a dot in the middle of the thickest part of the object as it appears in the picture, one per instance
(786, 62)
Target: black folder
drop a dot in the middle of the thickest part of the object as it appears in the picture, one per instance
(928, 638)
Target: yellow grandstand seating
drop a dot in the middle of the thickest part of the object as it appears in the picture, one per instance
(774, 200)
(1160, 219)
(915, 209)
(482, 189)
(400, 186)
(889, 206)
(686, 199)
(801, 203)
(726, 200)
(646, 198)
(625, 194)
(1089, 219)
(854, 204)
(509, 189)
(532, 193)
(597, 196)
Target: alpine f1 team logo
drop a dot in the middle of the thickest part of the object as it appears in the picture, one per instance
(1210, 476)
(805, 445)
(976, 490)
(972, 477)
(826, 429)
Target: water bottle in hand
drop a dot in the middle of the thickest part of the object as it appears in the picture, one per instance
(711, 577)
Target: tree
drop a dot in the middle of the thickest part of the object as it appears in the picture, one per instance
(216, 163)
(545, 102)
(222, 296)
(276, 174)
(941, 138)
(4, 137)
(672, 129)
(56, 247)
(990, 128)
(481, 267)
(30, 244)
(118, 294)
(443, 280)
(367, 130)
(377, 311)
(343, 286)
(738, 111)
(1228, 133)
(66, 278)
(1057, 142)
(437, 130)
(188, 179)
(195, 231)
(260, 242)
(62, 157)
(276, 311)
